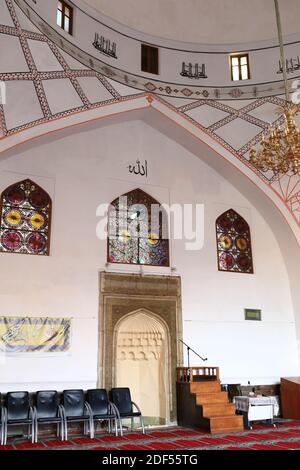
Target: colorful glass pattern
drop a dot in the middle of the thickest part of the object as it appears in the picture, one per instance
(234, 243)
(25, 219)
(131, 238)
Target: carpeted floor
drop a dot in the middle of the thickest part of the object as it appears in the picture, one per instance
(286, 436)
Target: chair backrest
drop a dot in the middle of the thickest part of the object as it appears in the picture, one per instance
(73, 402)
(17, 404)
(46, 404)
(98, 400)
(234, 390)
(122, 399)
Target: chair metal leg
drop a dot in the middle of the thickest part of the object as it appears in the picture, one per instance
(36, 431)
(5, 430)
(92, 428)
(5, 435)
(62, 432)
(2, 427)
(142, 424)
(66, 430)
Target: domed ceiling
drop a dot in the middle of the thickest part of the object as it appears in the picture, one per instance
(48, 89)
(202, 21)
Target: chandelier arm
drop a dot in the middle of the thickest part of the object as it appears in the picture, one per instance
(282, 55)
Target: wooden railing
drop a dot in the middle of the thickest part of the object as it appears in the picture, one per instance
(197, 374)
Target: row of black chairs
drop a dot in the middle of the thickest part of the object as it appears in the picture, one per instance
(48, 407)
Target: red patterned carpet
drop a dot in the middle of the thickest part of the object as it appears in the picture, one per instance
(286, 436)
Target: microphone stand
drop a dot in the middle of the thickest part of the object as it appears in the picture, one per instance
(188, 353)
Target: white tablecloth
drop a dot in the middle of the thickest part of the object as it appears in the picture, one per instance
(244, 403)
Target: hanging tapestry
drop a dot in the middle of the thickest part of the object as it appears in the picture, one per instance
(34, 335)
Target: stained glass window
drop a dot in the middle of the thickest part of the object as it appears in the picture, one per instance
(138, 231)
(234, 243)
(25, 219)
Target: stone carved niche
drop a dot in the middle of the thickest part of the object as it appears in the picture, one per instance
(139, 325)
(141, 343)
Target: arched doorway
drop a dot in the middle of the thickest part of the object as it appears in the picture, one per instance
(141, 353)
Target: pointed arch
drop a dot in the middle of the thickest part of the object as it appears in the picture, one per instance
(234, 243)
(138, 230)
(25, 223)
(148, 369)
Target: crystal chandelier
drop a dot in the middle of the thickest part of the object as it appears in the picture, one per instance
(280, 150)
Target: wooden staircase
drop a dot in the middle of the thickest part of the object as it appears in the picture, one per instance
(202, 404)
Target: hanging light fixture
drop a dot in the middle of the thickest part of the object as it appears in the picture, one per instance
(280, 150)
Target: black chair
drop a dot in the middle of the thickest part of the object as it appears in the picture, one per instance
(18, 412)
(48, 411)
(122, 399)
(102, 409)
(75, 408)
(234, 390)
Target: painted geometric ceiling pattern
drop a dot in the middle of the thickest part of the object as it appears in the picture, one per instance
(44, 83)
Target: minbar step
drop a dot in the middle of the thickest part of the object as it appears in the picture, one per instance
(220, 424)
(211, 397)
(198, 387)
(218, 409)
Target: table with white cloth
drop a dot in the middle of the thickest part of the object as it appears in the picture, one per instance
(256, 409)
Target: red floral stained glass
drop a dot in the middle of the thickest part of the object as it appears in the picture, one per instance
(138, 231)
(25, 219)
(234, 243)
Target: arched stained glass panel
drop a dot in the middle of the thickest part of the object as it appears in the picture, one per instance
(138, 231)
(234, 243)
(25, 219)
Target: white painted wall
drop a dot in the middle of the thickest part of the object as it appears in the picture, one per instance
(213, 22)
(85, 168)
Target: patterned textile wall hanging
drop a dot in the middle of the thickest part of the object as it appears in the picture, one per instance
(23, 335)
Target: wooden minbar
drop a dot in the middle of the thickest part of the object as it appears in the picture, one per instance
(201, 402)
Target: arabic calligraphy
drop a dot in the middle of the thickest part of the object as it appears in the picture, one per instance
(139, 169)
(291, 65)
(36, 334)
(105, 46)
(193, 71)
(13, 332)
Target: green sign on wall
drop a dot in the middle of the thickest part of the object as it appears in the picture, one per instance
(252, 314)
